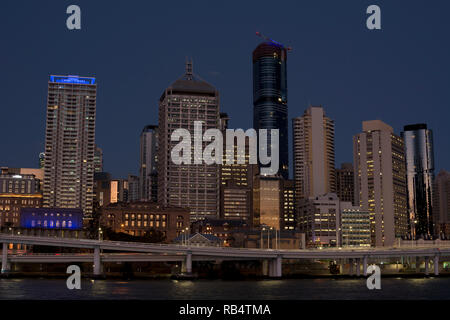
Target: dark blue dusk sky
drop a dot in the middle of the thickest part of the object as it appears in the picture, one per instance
(400, 74)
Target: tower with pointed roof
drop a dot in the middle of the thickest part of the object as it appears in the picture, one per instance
(193, 186)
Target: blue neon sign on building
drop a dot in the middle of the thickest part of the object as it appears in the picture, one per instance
(72, 79)
(51, 218)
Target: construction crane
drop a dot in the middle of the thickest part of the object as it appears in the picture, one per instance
(259, 34)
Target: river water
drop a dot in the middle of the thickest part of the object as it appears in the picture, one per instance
(286, 289)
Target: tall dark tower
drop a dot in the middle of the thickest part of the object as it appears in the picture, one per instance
(270, 95)
(420, 176)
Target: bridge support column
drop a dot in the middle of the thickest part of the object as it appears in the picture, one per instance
(265, 267)
(189, 262)
(97, 262)
(279, 263)
(275, 267)
(417, 265)
(427, 263)
(365, 265)
(5, 266)
(436, 265)
(350, 267)
(271, 268)
(358, 267)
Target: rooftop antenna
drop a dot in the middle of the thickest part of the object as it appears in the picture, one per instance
(189, 69)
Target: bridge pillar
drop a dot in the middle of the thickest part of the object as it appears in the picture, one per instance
(436, 265)
(97, 262)
(417, 265)
(279, 264)
(5, 266)
(358, 267)
(189, 262)
(265, 267)
(427, 262)
(275, 267)
(365, 265)
(270, 265)
(350, 266)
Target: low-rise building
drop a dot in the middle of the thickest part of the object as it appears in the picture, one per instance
(198, 240)
(17, 191)
(139, 217)
(267, 238)
(221, 228)
(51, 218)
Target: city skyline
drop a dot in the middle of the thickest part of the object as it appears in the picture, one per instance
(397, 84)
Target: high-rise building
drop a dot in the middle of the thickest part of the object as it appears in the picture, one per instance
(441, 203)
(133, 188)
(196, 185)
(148, 177)
(345, 183)
(288, 220)
(420, 175)
(380, 183)
(98, 159)
(268, 201)
(70, 142)
(313, 154)
(120, 191)
(355, 226)
(319, 218)
(236, 181)
(270, 109)
(102, 188)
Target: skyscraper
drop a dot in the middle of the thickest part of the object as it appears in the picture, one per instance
(313, 154)
(441, 203)
(98, 159)
(193, 186)
(148, 178)
(69, 143)
(133, 188)
(270, 109)
(236, 181)
(345, 183)
(420, 175)
(380, 183)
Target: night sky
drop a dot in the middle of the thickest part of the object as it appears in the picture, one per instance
(135, 49)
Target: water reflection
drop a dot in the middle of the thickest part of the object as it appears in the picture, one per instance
(302, 289)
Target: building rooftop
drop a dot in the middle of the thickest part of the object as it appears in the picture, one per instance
(189, 83)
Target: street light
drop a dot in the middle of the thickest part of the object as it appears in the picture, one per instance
(187, 236)
(263, 229)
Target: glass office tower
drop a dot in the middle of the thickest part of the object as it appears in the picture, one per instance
(270, 96)
(420, 175)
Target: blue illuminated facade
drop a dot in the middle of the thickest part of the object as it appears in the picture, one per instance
(270, 109)
(72, 79)
(51, 218)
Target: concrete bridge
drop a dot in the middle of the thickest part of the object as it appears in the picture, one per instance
(135, 252)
